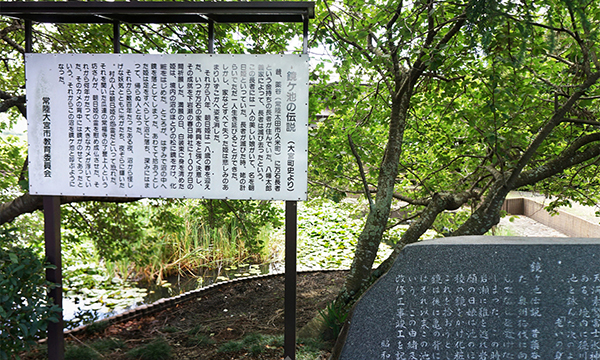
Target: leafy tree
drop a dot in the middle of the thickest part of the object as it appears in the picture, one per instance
(441, 105)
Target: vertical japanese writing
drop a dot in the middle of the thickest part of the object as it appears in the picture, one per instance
(112, 124)
(198, 125)
(223, 126)
(277, 128)
(207, 151)
(47, 136)
(233, 147)
(290, 126)
(121, 123)
(577, 334)
(128, 85)
(190, 127)
(243, 147)
(468, 316)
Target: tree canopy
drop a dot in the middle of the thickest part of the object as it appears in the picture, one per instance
(443, 105)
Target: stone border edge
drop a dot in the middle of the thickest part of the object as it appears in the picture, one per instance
(167, 303)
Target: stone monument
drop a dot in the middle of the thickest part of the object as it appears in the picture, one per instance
(480, 298)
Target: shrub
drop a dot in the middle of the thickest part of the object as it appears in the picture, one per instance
(25, 307)
(334, 317)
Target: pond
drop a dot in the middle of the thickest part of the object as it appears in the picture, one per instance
(91, 304)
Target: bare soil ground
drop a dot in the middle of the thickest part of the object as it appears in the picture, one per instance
(198, 328)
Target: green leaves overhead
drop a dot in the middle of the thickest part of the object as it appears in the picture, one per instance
(483, 97)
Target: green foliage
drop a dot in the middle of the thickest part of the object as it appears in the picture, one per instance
(108, 345)
(200, 335)
(12, 156)
(251, 216)
(163, 236)
(480, 103)
(328, 233)
(199, 340)
(449, 221)
(255, 344)
(97, 327)
(94, 288)
(334, 316)
(25, 308)
(112, 227)
(170, 329)
(158, 349)
(312, 349)
(211, 233)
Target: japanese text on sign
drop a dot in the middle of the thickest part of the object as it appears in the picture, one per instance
(203, 126)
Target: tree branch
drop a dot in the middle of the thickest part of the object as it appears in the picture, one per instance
(361, 171)
(28, 203)
(15, 101)
(547, 129)
(4, 36)
(439, 203)
(568, 158)
(581, 121)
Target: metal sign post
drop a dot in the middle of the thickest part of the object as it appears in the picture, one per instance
(291, 239)
(289, 338)
(56, 338)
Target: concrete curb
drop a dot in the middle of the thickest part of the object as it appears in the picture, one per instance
(566, 223)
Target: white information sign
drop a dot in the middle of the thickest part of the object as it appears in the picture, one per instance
(174, 126)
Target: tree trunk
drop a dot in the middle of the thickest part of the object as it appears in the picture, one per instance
(376, 223)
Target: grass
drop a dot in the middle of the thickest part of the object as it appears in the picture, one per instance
(97, 327)
(311, 349)
(107, 345)
(501, 231)
(253, 343)
(199, 340)
(170, 329)
(158, 349)
(95, 350)
(307, 349)
(81, 352)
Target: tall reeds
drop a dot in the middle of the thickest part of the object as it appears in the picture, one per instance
(197, 244)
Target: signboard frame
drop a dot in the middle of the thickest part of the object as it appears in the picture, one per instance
(211, 126)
